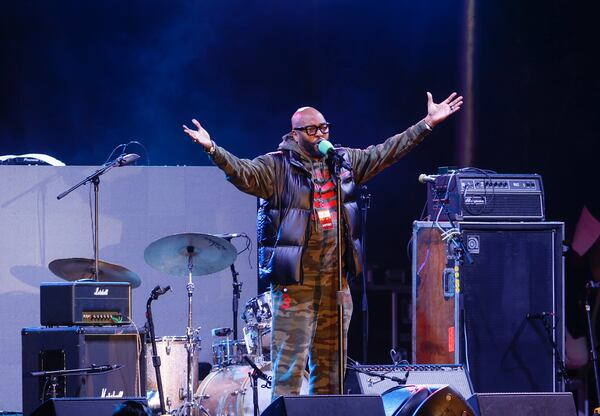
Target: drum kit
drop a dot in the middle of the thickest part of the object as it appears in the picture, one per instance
(228, 387)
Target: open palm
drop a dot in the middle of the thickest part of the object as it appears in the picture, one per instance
(436, 113)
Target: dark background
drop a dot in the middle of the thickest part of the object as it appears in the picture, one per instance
(78, 78)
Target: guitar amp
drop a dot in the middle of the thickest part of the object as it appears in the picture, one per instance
(85, 303)
(480, 196)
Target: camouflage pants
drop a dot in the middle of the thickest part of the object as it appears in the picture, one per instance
(305, 326)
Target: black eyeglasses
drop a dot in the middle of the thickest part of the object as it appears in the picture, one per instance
(312, 130)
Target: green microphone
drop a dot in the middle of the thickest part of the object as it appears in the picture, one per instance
(325, 148)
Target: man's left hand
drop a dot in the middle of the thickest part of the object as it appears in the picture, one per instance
(436, 113)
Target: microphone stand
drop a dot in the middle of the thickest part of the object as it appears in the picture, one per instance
(254, 376)
(95, 179)
(53, 375)
(155, 357)
(365, 199)
(562, 371)
(589, 286)
(400, 380)
(337, 164)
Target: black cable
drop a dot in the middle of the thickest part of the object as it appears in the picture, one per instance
(247, 248)
(146, 154)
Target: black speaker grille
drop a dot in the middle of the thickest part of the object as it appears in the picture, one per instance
(515, 272)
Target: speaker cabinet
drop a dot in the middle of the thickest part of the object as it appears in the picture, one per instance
(79, 406)
(523, 404)
(330, 405)
(364, 379)
(67, 348)
(477, 314)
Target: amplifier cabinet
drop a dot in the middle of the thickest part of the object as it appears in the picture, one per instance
(477, 314)
(454, 375)
(476, 196)
(85, 303)
(67, 348)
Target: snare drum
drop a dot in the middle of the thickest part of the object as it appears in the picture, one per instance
(228, 391)
(173, 370)
(228, 352)
(258, 310)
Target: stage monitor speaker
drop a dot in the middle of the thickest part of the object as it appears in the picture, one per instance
(67, 348)
(326, 405)
(483, 314)
(85, 406)
(425, 400)
(357, 382)
(523, 404)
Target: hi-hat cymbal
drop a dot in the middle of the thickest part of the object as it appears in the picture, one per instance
(78, 268)
(209, 254)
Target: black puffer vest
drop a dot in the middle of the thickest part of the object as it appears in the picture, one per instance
(284, 221)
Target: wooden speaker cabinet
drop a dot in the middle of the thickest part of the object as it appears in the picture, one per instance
(480, 314)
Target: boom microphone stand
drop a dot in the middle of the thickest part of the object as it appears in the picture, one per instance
(122, 160)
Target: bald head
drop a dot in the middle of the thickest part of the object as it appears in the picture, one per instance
(307, 116)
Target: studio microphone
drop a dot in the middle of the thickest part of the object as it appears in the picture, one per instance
(258, 371)
(423, 178)
(127, 159)
(104, 368)
(157, 291)
(540, 315)
(326, 149)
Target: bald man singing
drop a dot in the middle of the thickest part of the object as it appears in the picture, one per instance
(297, 225)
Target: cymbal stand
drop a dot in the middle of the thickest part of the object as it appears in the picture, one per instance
(189, 345)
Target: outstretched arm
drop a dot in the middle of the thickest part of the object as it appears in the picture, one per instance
(254, 177)
(368, 162)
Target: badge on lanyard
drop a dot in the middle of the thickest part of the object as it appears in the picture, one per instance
(325, 218)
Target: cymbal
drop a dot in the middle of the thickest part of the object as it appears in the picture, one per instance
(209, 254)
(78, 268)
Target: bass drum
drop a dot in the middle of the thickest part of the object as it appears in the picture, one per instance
(228, 391)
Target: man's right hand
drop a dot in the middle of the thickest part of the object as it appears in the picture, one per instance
(200, 135)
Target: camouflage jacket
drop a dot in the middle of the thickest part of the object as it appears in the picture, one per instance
(282, 181)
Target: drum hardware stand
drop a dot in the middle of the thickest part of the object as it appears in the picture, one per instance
(122, 160)
(254, 376)
(189, 345)
(156, 292)
(237, 287)
(237, 290)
